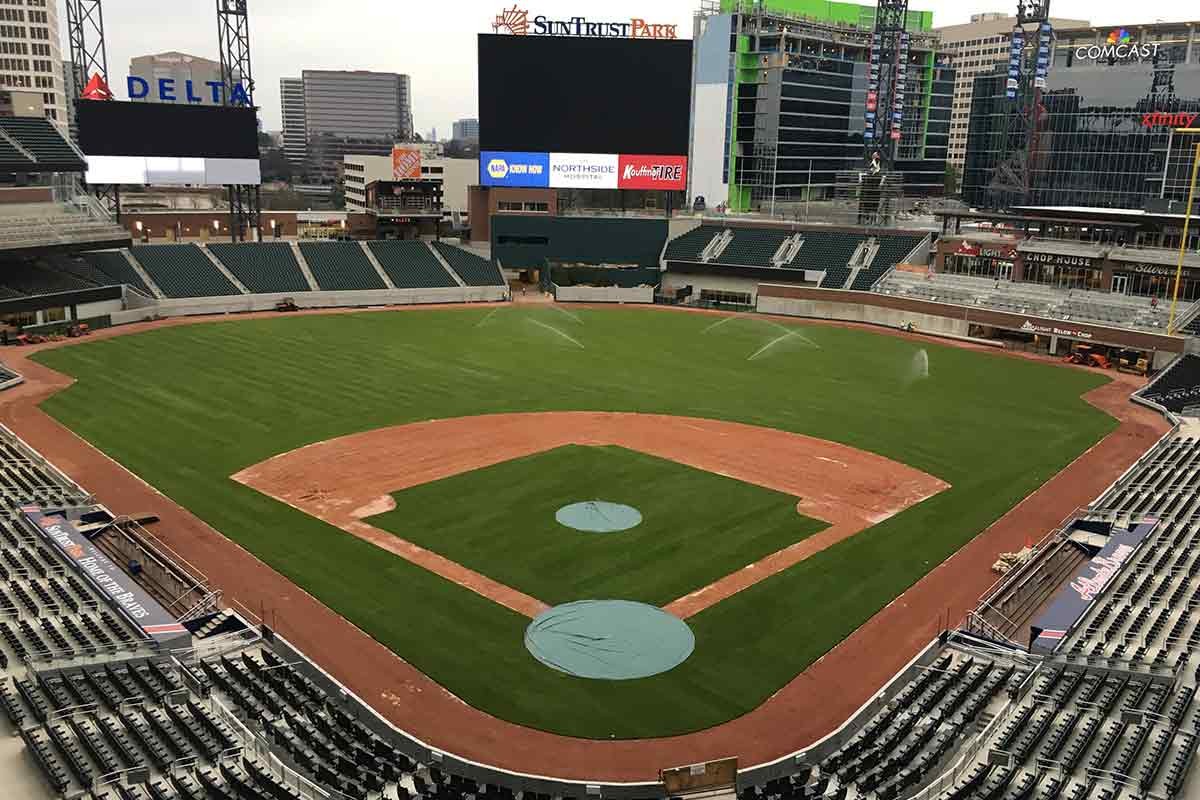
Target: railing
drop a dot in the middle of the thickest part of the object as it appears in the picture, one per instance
(260, 748)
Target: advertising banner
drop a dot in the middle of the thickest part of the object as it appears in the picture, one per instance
(583, 170)
(1089, 581)
(406, 163)
(524, 170)
(652, 172)
(111, 581)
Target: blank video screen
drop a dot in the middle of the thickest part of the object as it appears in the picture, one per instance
(168, 144)
(550, 94)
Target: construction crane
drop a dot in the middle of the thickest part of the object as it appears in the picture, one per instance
(888, 71)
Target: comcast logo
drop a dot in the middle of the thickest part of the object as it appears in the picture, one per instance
(1120, 36)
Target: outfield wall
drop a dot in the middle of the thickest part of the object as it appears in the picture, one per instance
(843, 311)
(603, 294)
(238, 304)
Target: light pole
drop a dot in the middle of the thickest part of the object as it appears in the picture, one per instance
(1187, 219)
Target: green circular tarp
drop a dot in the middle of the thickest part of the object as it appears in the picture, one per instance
(612, 640)
(598, 516)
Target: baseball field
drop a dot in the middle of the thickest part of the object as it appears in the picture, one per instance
(453, 545)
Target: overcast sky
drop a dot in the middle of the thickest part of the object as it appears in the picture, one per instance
(434, 42)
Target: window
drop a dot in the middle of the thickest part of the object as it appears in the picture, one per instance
(717, 296)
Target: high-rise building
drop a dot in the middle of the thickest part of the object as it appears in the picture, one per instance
(180, 68)
(466, 129)
(295, 137)
(31, 56)
(780, 102)
(977, 47)
(1108, 138)
(359, 112)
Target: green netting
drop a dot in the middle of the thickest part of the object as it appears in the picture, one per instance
(598, 516)
(612, 640)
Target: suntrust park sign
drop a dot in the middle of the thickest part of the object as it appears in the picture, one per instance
(518, 22)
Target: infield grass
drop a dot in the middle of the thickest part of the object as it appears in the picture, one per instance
(696, 526)
(186, 407)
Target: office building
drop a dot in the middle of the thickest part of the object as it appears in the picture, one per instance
(1107, 139)
(977, 47)
(31, 56)
(780, 99)
(439, 195)
(465, 129)
(345, 113)
(180, 68)
(295, 139)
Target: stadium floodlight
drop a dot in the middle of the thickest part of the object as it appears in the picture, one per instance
(1187, 219)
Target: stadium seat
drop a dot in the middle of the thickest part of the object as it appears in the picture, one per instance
(411, 265)
(262, 267)
(340, 266)
(473, 270)
(182, 270)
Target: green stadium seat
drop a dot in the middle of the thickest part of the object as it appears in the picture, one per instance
(262, 267)
(411, 265)
(183, 270)
(341, 266)
(690, 245)
(752, 247)
(891, 250)
(109, 267)
(474, 270)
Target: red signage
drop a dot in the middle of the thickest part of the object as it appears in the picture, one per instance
(96, 89)
(652, 172)
(1168, 119)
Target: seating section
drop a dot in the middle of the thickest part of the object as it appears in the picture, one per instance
(340, 266)
(1179, 387)
(411, 265)
(1137, 313)
(105, 268)
(262, 267)
(690, 245)
(43, 140)
(183, 270)
(35, 277)
(474, 270)
(892, 249)
(753, 247)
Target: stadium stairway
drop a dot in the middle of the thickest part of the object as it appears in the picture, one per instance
(262, 267)
(343, 266)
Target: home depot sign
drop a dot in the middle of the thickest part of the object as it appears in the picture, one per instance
(406, 163)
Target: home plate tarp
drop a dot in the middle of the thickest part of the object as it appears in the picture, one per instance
(612, 640)
(1089, 581)
(113, 583)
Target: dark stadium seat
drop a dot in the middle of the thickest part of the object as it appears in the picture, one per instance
(891, 250)
(340, 266)
(44, 141)
(474, 270)
(35, 277)
(753, 247)
(183, 270)
(690, 245)
(411, 265)
(262, 267)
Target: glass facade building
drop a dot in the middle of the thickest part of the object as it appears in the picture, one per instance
(786, 84)
(1110, 109)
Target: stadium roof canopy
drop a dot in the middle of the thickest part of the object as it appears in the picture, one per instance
(34, 144)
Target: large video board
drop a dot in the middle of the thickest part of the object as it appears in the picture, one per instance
(586, 113)
(165, 144)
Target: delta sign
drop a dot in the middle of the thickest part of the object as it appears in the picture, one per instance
(169, 90)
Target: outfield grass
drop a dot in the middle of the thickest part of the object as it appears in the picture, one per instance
(186, 407)
(696, 526)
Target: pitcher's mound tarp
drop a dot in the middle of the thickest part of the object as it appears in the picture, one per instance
(612, 640)
(598, 516)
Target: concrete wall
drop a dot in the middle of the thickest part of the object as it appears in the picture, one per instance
(849, 312)
(266, 302)
(678, 280)
(603, 294)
